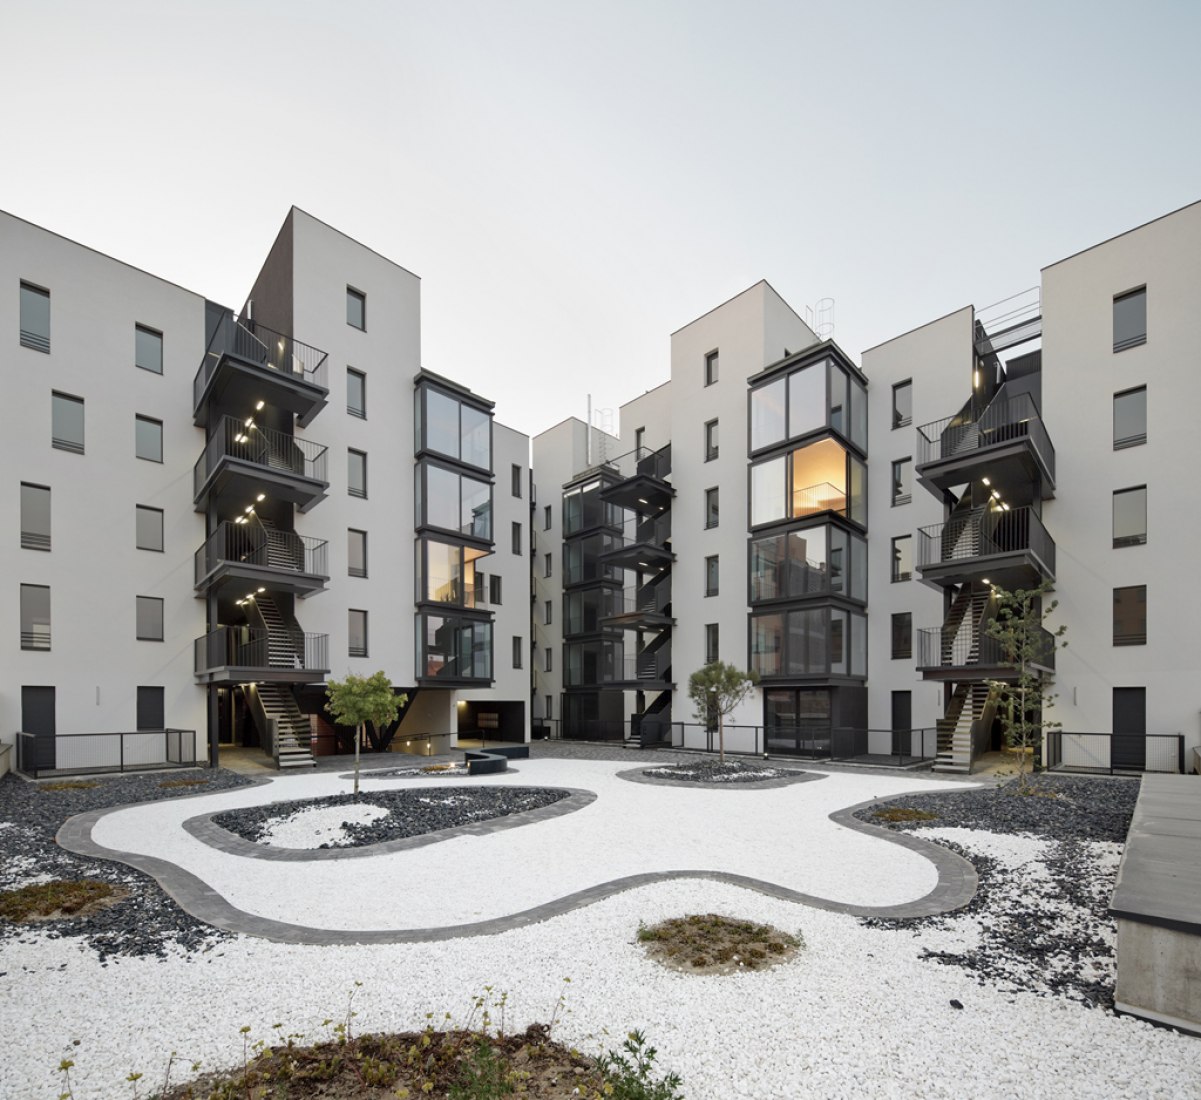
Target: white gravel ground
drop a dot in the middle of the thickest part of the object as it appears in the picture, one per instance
(318, 825)
(858, 1014)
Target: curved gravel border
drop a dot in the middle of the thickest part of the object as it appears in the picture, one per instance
(956, 886)
(207, 831)
(638, 775)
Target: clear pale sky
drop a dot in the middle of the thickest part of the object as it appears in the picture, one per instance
(574, 180)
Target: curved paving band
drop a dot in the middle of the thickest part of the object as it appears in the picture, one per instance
(956, 887)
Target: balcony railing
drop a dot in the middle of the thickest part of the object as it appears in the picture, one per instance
(652, 666)
(249, 544)
(941, 648)
(1005, 420)
(265, 447)
(984, 532)
(648, 599)
(643, 462)
(823, 497)
(252, 647)
(655, 531)
(263, 347)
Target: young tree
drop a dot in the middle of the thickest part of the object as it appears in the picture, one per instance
(715, 691)
(1025, 642)
(358, 700)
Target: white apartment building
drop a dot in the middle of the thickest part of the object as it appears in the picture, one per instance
(1041, 440)
(217, 511)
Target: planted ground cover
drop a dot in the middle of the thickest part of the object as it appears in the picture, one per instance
(706, 943)
(710, 771)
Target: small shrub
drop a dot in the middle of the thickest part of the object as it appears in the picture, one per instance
(627, 1073)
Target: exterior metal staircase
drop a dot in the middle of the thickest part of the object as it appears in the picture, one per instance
(285, 639)
(293, 743)
(966, 709)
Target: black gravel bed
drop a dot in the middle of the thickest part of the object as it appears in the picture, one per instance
(1048, 933)
(410, 812)
(711, 771)
(146, 921)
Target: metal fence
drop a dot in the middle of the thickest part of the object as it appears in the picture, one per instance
(1113, 753)
(40, 755)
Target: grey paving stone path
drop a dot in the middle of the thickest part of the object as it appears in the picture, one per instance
(956, 886)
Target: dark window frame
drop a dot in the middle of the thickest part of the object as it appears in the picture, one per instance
(351, 569)
(902, 497)
(150, 420)
(68, 445)
(711, 444)
(1137, 539)
(712, 507)
(1137, 339)
(712, 366)
(365, 649)
(1122, 639)
(162, 528)
(712, 643)
(712, 575)
(35, 341)
(899, 575)
(901, 635)
(1133, 440)
(518, 651)
(900, 421)
(516, 478)
(495, 589)
(352, 490)
(34, 640)
(359, 296)
(31, 539)
(146, 330)
(361, 410)
(162, 617)
(515, 540)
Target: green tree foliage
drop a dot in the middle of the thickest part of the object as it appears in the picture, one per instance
(358, 700)
(715, 691)
(1027, 646)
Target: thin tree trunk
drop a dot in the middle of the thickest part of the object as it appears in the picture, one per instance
(358, 740)
(721, 738)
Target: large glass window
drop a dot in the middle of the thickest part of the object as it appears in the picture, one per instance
(581, 560)
(902, 635)
(819, 479)
(447, 574)
(455, 502)
(148, 438)
(149, 619)
(858, 433)
(807, 642)
(814, 561)
(767, 414)
(583, 508)
(1130, 516)
(453, 648)
(35, 318)
(35, 616)
(807, 400)
(902, 558)
(1130, 319)
(767, 644)
(839, 402)
(455, 429)
(1130, 418)
(583, 610)
(66, 422)
(1130, 615)
(148, 349)
(768, 491)
(35, 517)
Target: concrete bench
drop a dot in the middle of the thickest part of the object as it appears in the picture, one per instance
(1157, 905)
(494, 760)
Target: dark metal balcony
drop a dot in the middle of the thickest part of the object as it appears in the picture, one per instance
(1008, 442)
(1010, 548)
(241, 459)
(252, 554)
(649, 670)
(642, 544)
(247, 362)
(644, 484)
(974, 655)
(236, 654)
(645, 607)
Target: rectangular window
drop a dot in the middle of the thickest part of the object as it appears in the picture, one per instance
(517, 651)
(356, 552)
(1130, 615)
(35, 616)
(356, 473)
(148, 524)
(35, 517)
(356, 393)
(356, 633)
(516, 536)
(548, 612)
(711, 368)
(548, 565)
(710, 643)
(451, 648)
(454, 428)
(712, 575)
(902, 635)
(1130, 418)
(1130, 516)
(66, 422)
(453, 501)
(548, 664)
(516, 480)
(639, 436)
(35, 317)
(151, 713)
(356, 309)
(710, 440)
(148, 349)
(447, 574)
(494, 589)
(902, 404)
(148, 438)
(1130, 319)
(902, 558)
(711, 507)
(546, 518)
(149, 619)
(902, 481)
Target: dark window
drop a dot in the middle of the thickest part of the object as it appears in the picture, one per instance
(452, 648)
(148, 438)
(1130, 615)
(902, 404)
(356, 309)
(902, 558)
(548, 565)
(148, 349)
(548, 660)
(711, 507)
(453, 501)
(66, 422)
(516, 479)
(149, 619)
(494, 589)
(35, 318)
(1130, 516)
(516, 535)
(356, 633)
(1130, 418)
(356, 552)
(902, 481)
(548, 612)
(35, 517)
(454, 428)
(356, 473)
(639, 435)
(1130, 319)
(712, 575)
(35, 616)
(711, 368)
(356, 392)
(148, 527)
(546, 518)
(710, 643)
(151, 709)
(902, 635)
(517, 651)
(549, 704)
(710, 440)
